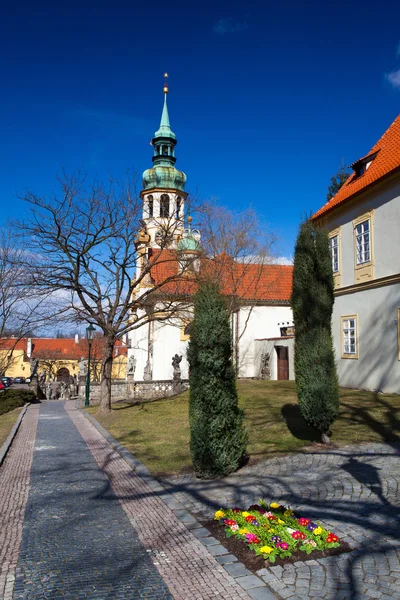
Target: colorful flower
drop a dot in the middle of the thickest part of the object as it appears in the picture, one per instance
(234, 527)
(245, 514)
(280, 522)
(318, 531)
(252, 538)
(332, 538)
(276, 539)
(310, 543)
(236, 510)
(298, 535)
(274, 505)
(229, 522)
(250, 518)
(266, 549)
(312, 526)
(288, 512)
(243, 531)
(283, 546)
(303, 522)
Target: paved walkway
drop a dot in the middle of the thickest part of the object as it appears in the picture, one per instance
(354, 491)
(89, 527)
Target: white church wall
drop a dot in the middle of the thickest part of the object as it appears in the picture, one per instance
(167, 343)
(258, 322)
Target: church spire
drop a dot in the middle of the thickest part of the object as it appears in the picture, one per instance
(165, 127)
(164, 174)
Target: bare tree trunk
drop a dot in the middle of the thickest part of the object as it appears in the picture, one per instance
(106, 373)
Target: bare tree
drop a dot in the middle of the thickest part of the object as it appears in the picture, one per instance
(88, 242)
(21, 311)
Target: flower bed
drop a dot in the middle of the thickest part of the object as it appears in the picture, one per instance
(276, 532)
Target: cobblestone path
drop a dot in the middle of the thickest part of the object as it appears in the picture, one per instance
(354, 491)
(77, 540)
(90, 527)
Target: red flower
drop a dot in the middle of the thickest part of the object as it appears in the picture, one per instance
(271, 517)
(236, 510)
(298, 535)
(230, 522)
(250, 518)
(303, 522)
(332, 538)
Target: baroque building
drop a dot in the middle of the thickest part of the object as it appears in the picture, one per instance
(262, 320)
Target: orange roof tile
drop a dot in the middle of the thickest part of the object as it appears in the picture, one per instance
(62, 348)
(269, 283)
(385, 162)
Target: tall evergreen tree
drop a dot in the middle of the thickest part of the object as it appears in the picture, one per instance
(337, 180)
(217, 435)
(312, 304)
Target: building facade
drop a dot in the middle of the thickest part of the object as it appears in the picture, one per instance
(363, 220)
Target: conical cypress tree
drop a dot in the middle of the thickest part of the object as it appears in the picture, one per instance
(217, 435)
(312, 305)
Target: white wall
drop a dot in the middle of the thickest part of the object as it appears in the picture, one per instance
(377, 367)
(386, 233)
(262, 323)
(262, 346)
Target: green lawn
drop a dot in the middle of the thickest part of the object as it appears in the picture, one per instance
(158, 432)
(7, 422)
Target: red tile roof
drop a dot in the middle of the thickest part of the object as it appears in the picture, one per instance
(385, 162)
(268, 283)
(62, 348)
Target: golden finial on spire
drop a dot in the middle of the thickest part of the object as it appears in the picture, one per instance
(165, 83)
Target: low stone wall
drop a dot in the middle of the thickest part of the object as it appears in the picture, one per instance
(142, 391)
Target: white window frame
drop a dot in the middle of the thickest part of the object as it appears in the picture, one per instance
(363, 242)
(334, 248)
(349, 336)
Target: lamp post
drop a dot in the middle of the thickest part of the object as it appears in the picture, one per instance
(90, 331)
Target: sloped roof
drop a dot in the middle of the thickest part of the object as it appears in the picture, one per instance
(385, 162)
(61, 348)
(256, 282)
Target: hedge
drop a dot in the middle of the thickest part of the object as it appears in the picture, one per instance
(10, 399)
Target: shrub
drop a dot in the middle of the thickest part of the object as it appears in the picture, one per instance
(312, 304)
(13, 398)
(217, 436)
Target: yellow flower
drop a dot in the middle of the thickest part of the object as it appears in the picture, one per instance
(274, 505)
(243, 531)
(219, 514)
(317, 531)
(288, 513)
(271, 530)
(245, 514)
(280, 522)
(266, 549)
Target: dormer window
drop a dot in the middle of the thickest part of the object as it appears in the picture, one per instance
(361, 165)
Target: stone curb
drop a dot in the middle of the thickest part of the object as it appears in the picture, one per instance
(6, 446)
(251, 584)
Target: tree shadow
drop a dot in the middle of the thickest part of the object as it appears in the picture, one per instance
(297, 425)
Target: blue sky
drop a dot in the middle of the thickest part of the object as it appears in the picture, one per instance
(265, 98)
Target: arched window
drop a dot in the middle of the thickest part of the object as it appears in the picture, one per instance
(150, 206)
(178, 207)
(164, 206)
(165, 150)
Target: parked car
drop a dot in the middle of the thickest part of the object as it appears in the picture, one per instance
(2, 386)
(7, 381)
(19, 380)
(28, 380)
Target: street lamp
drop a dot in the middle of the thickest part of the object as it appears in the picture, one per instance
(90, 331)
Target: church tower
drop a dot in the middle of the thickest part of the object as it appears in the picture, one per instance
(163, 192)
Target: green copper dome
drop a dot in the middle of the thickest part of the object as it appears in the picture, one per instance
(164, 177)
(189, 243)
(164, 174)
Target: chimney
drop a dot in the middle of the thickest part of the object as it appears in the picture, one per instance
(77, 338)
(29, 347)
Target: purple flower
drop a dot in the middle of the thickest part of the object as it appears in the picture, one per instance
(256, 523)
(276, 539)
(312, 526)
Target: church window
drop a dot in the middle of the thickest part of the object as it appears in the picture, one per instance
(178, 207)
(150, 205)
(164, 206)
(165, 150)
